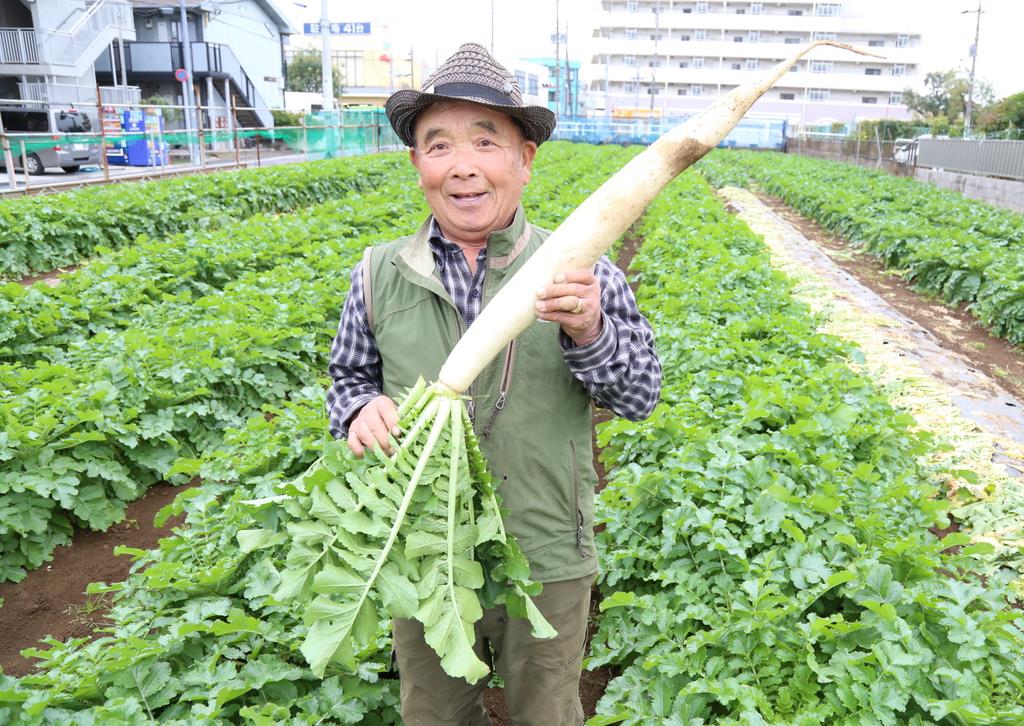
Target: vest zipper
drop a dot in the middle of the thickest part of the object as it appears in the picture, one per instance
(576, 500)
(506, 378)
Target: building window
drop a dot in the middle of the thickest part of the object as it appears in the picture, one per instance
(753, 64)
(630, 33)
(899, 69)
(696, 89)
(753, 36)
(700, 34)
(737, 39)
(741, 11)
(876, 43)
(826, 9)
(702, 6)
(629, 60)
(794, 12)
(698, 62)
(756, 8)
(818, 94)
(684, 37)
(869, 99)
(872, 71)
(531, 84)
(684, 64)
(792, 41)
(787, 96)
(681, 92)
(735, 66)
(653, 90)
(820, 35)
(628, 87)
(902, 40)
(632, 6)
(820, 66)
(895, 99)
(521, 79)
(654, 64)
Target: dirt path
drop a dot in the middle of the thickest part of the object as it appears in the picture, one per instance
(928, 366)
(51, 601)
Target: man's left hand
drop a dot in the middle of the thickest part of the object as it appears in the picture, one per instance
(573, 300)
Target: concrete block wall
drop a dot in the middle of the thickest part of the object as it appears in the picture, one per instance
(1000, 192)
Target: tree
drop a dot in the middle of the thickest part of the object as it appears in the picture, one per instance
(305, 73)
(945, 94)
(1007, 113)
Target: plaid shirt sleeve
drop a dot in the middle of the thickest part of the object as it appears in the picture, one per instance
(620, 369)
(355, 366)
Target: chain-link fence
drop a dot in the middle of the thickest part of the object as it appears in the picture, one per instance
(878, 153)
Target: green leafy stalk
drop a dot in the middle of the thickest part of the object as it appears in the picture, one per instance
(332, 623)
(417, 534)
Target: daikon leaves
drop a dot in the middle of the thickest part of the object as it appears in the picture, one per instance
(415, 535)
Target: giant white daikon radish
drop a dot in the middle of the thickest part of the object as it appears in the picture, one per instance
(593, 227)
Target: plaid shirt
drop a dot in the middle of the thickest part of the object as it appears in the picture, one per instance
(619, 370)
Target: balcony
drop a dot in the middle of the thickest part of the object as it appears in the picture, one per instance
(155, 61)
(19, 46)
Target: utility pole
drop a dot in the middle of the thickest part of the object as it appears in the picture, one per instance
(654, 68)
(558, 63)
(189, 91)
(326, 72)
(569, 108)
(970, 82)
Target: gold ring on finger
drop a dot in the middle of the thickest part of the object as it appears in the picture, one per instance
(579, 306)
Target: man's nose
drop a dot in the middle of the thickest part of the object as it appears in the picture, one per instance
(464, 163)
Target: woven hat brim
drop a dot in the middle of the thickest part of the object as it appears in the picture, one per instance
(403, 107)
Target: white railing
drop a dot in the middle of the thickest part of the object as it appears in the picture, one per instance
(69, 94)
(18, 46)
(66, 47)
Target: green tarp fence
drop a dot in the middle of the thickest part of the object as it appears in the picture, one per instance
(352, 132)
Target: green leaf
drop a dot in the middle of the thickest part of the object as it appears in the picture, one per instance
(397, 593)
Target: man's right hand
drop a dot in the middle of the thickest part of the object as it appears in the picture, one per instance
(372, 424)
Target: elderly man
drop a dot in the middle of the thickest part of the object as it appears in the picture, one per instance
(473, 143)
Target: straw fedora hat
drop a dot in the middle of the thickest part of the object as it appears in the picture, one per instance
(471, 74)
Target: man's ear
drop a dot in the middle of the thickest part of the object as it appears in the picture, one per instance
(529, 152)
(414, 159)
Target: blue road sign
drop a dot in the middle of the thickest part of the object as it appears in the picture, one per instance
(338, 28)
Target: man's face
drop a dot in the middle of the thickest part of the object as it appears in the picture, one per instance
(473, 164)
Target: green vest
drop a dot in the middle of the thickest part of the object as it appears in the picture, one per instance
(532, 416)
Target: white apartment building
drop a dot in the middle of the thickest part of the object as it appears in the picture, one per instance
(671, 57)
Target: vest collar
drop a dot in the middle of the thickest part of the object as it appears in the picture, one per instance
(503, 245)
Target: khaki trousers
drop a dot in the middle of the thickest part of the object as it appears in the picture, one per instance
(541, 676)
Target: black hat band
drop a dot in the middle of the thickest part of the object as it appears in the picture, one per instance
(474, 90)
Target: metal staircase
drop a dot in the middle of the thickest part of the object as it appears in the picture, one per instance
(71, 49)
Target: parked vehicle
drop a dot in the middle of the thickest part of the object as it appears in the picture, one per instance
(36, 125)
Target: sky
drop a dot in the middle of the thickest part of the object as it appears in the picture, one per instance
(523, 29)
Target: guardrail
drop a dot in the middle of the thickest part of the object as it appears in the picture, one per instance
(66, 93)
